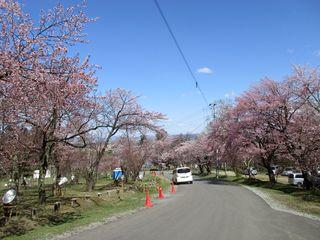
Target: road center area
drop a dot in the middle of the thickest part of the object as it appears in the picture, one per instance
(208, 210)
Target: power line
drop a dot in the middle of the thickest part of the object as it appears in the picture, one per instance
(181, 52)
(196, 128)
(190, 116)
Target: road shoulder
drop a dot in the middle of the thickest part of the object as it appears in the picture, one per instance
(276, 205)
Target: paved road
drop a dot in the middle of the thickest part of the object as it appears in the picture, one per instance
(208, 210)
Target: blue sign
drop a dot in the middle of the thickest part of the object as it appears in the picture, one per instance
(117, 174)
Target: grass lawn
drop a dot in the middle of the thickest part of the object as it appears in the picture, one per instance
(66, 222)
(93, 208)
(290, 196)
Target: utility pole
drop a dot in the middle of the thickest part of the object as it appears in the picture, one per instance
(213, 108)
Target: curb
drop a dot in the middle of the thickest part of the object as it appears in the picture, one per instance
(276, 205)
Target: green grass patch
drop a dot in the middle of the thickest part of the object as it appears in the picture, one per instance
(93, 208)
(66, 222)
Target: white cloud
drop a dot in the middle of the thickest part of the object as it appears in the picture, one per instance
(205, 70)
(317, 53)
(231, 94)
(290, 50)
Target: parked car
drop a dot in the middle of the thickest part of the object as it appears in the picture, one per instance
(296, 178)
(287, 171)
(251, 170)
(182, 175)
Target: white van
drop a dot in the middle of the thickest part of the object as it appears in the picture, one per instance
(296, 179)
(182, 175)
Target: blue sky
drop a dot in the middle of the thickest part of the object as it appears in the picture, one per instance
(239, 41)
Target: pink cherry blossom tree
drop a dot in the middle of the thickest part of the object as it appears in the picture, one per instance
(42, 87)
(134, 152)
(302, 132)
(119, 112)
(273, 122)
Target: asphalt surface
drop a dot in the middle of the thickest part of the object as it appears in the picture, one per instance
(208, 210)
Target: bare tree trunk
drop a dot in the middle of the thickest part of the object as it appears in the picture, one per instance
(16, 173)
(90, 180)
(201, 168)
(17, 184)
(56, 187)
(271, 175)
(47, 149)
(208, 168)
(125, 173)
(42, 187)
(225, 168)
(217, 171)
(266, 162)
(90, 183)
(236, 171)
(91, 174)
(42, 172)
(135, 175)
(307, 182)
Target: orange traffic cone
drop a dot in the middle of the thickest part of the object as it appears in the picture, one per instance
(148, 202)
(173, 190)
(161, 195)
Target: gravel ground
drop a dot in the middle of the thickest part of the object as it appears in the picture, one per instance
(276, 205)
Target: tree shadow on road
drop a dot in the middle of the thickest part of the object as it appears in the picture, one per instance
(294, 191)
(215, 181)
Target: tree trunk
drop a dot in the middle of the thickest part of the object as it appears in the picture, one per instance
(56, 187)
(16, 180)
(208, 168)
(46, 153)
(42, 171)
(217, 171)
(90, 181)
(271, 175)
(90, 184)
(236, 171)
(307, 182)
(42, 187)
(225, 169)
(125, 173)
(126, 176)
(16, 173)
(135, 175)
(201, 169)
